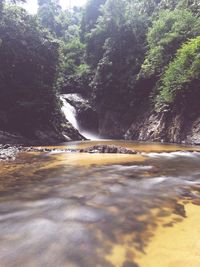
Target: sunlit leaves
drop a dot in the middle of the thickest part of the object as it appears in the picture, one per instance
(166, 35)
(181, 72)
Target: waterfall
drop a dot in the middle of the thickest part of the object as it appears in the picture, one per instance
(69, 111)
(70, 114)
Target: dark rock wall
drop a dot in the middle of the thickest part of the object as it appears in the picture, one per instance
(177, 123)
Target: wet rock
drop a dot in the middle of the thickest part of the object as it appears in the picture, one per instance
(70, 133)
(180, 210)
(108, 149)
(175, 123)
(87, 118)
(112, 124)
(8, 152)
(193, 136)
(48, 136)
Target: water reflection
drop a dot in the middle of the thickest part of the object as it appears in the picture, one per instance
(80, 210)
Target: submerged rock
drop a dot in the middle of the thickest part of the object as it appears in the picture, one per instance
(92, 149)
(107, 149)
(8, 151)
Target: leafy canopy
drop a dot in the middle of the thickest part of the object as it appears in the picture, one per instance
(167, 33)
(182, 72)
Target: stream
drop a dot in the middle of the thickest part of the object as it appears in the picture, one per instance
(60, 209)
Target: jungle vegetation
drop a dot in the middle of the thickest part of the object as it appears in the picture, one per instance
(115, 52)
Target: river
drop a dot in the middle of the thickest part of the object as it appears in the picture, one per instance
(101, 210)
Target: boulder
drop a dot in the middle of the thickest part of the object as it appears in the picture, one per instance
(107, 149)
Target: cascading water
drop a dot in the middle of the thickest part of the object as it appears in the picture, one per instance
(70, 114)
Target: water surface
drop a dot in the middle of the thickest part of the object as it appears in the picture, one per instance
(82, 210)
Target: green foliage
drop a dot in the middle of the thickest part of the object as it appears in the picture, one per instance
(181, 72)
(72, 65)
(28, 66)
(132, 41)
(90, 14)
(193, 5)
(65, 27)
(47, 12)
(122, 31)
(73, 54)
(94, 39)
(165, 36)
(62, 24)
(117, 52)
(153, 7)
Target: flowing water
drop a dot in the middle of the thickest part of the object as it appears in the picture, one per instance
(101, 210)
(70, 113)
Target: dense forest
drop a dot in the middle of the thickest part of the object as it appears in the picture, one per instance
(136, 61)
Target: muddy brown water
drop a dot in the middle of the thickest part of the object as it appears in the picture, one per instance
(101, 210)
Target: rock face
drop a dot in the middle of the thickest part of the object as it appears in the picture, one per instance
(70, 133)
(177, 124)
(112, 125)
(47, 136)
(194, 133)
(88, 119)
(43, 136)
(8, 138)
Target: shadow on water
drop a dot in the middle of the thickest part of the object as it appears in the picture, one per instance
(80, 210)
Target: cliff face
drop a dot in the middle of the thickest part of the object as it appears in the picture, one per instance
(174, 127)
(112, 125)
(166, 127)
(177, 123)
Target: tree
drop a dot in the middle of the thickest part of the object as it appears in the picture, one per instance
(182, 74)
(91, 13)
(47, 12)
(28, 66)
(165, 36)
(123, 30)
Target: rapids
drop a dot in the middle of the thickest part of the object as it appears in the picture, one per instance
(101, 210)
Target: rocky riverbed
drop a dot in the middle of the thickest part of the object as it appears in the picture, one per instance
(9, 152)
(92, 209)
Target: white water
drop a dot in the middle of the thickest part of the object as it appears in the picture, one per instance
(175, 154)
(70, 114)
(89, 135)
